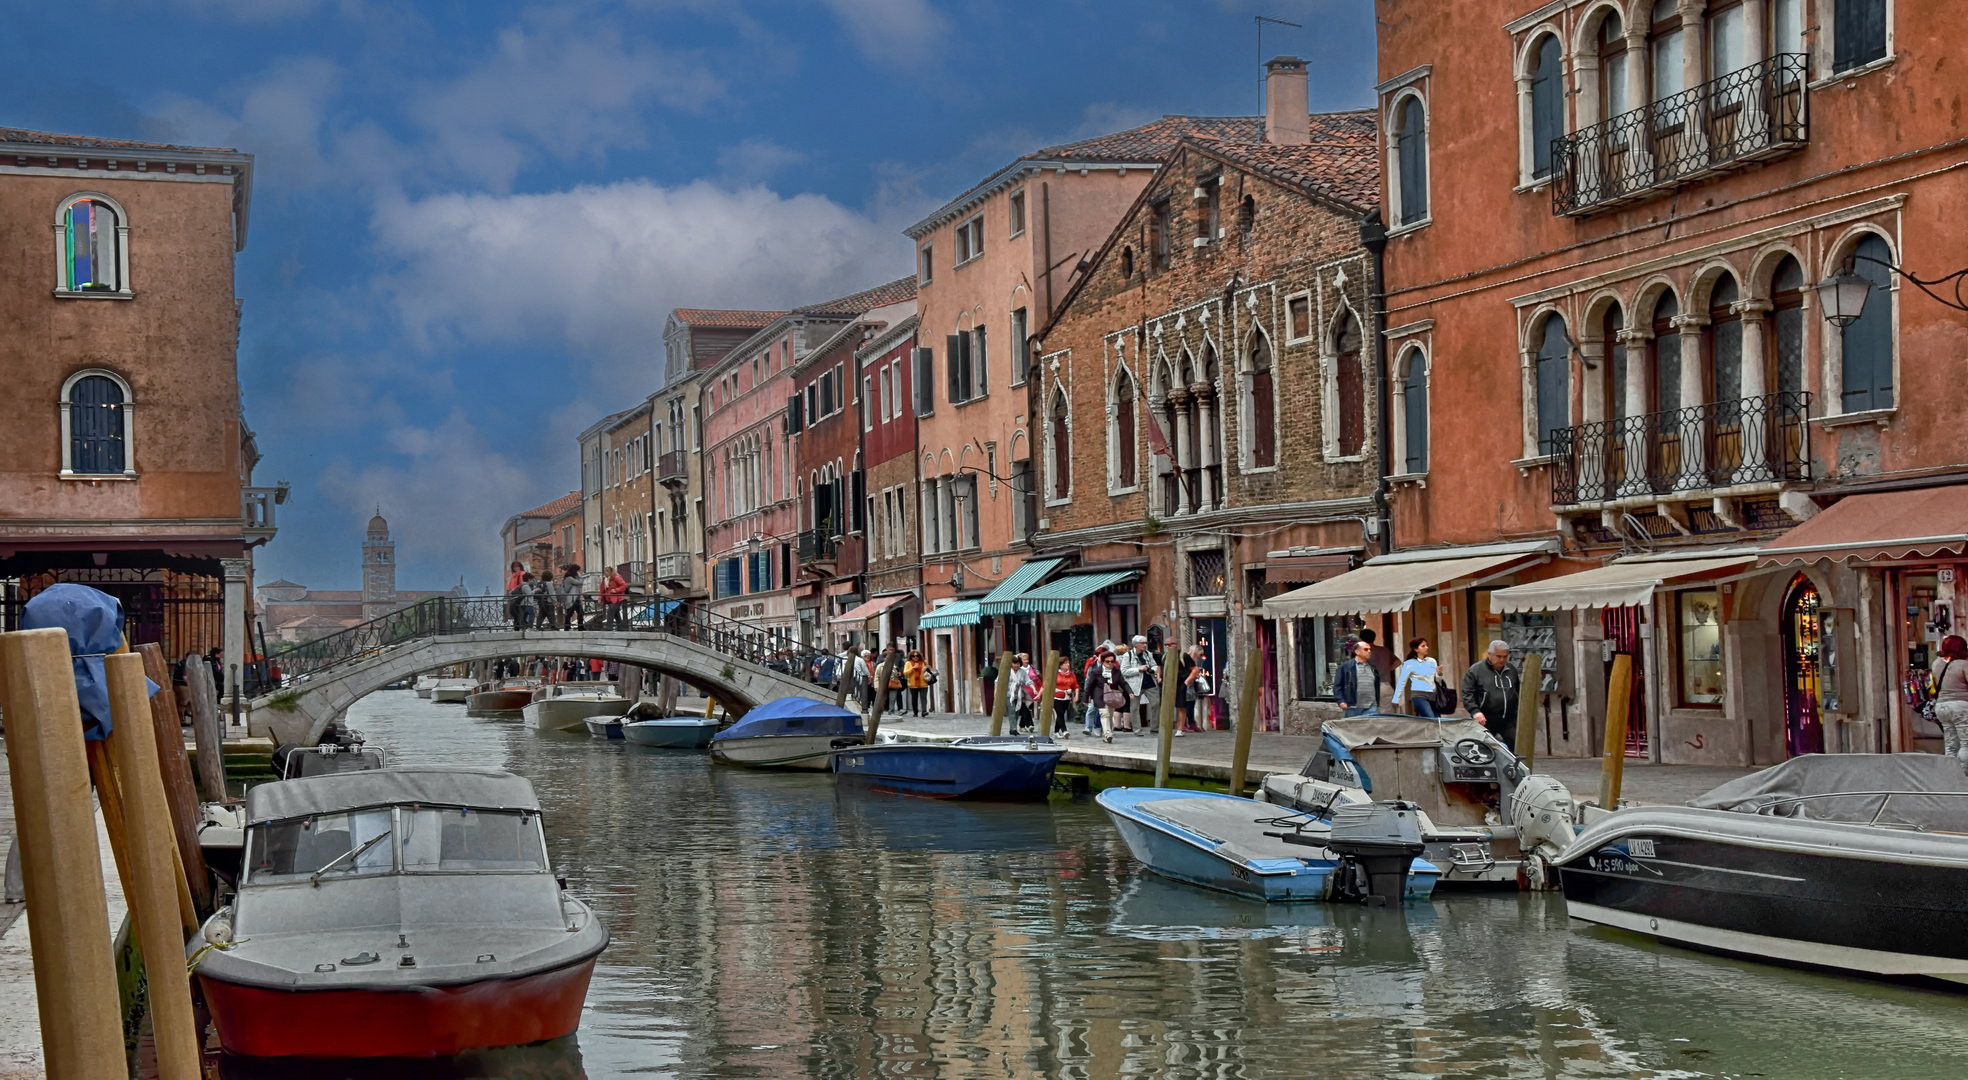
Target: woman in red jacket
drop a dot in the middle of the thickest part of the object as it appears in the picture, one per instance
(1065, 688)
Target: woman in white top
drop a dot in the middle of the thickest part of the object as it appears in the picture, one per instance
(1415, 682)
(1951, 697)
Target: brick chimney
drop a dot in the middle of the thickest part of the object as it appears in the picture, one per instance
(1285, 120)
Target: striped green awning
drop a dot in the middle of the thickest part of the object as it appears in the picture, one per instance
(1003, 599)
(955, 613)
(1067, 595)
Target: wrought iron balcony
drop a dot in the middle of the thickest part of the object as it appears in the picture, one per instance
(673, 468)
(1721, 444)
(676, 568)
(816, 545)
(1751, 113)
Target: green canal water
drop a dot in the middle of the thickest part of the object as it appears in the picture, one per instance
(769, 925)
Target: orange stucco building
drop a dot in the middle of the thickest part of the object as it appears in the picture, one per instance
(1607, 224)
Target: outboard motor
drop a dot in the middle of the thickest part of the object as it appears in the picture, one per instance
(1376, 844)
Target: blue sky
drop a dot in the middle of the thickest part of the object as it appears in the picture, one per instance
(471, 217)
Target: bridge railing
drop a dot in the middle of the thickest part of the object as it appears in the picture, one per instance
(548, 618)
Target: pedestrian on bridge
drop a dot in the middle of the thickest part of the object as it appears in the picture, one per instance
(568, 596)
(614, 594)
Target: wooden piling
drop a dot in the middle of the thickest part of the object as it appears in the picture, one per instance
(881, 699)
(61, 867)
(1529, 693)
(1045, 692)
(998, 699)
(205, 731)
(1165, 745)
(844, 680)
(151, 886)
(175, 768)
(1612, 760)
(1246, 720)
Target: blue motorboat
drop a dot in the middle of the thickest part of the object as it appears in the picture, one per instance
(976, 767)
(1270, 853)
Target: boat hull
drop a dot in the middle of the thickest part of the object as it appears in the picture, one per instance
(392, 1022)
(779, 751)
(1821, 893)
(499, 702)
(944, 771)
(570, 713)
(673, 734)
(451, 695)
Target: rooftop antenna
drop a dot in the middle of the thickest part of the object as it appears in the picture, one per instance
(1261, 20)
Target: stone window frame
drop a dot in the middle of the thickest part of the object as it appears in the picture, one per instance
(1058, 393)
(1113, 403)
(67, 431)
(969, 235)
(1531, 340)
(1823, 15)
(1403, 342)
(1831, 340)
(1016, 212)
(1311, 318)
(1524, 70)
(1247, 401)
(925, 264)
(1329, 419)
(122, 290)
(1415, 92)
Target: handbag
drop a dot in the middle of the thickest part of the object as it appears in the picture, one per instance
(1927, 708)
(1114, 699)
(1200, 687)
(1445, 697)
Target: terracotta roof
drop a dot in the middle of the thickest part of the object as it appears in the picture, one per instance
(1343, 170)
(555, 508)
(283, 583)
(1155, 141)
(46, 138)
(867, 300)
(750, 320)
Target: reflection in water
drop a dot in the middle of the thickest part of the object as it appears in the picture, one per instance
(769, 925)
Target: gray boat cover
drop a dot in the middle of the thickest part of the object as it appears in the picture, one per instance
(1358, 731)
(1857, 783)
(482, 789)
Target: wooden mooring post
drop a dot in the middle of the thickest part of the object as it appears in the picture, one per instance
(1046, 705)
(1165, 744)
(175, 768)
(206, 734)
(1612, 761)
(1246, 720)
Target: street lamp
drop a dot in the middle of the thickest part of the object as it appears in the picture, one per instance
(1843, 295)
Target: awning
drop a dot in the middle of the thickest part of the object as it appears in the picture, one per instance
(1003, 599)
(1308, 564)
(1394, 582)
(955, 613)
(862, 612)
(1626, 583)
(1879, 525)
(1067, 595)
(660, 609)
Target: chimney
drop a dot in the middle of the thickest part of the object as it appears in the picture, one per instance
(1285, 119)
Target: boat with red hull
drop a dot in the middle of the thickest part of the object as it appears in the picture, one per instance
(396, 913)
(507, 697)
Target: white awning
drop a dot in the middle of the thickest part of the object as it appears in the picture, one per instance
(1620, 584)
(1394, 583)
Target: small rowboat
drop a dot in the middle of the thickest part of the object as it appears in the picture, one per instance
(503, 698)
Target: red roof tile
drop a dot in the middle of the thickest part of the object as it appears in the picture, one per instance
(867, 300)
(555, 508)
(750, 320)
(1346, 171)
(1157, 140)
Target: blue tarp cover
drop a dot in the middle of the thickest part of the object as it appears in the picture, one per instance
(94, 622)
(794, 716)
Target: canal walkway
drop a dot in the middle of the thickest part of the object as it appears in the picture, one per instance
(1205, 756)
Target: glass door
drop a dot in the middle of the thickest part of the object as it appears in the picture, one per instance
(1802, 637)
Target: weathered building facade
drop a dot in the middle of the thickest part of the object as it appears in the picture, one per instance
(1204, 405)
(1619, 297)
(888, 453)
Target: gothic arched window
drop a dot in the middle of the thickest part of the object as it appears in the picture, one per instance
(1263, 406)
(1062, 447)
(1123, 437)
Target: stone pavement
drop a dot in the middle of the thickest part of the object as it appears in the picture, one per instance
(1205, 755)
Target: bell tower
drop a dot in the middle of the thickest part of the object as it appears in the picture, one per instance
(378, 569)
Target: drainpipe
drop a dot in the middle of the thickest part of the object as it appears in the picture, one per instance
(1373, 237)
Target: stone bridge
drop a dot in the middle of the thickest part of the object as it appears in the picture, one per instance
(326, 694)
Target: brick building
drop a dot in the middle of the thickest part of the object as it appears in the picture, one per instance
(1617, 294)
(824, 416)
(888, 453)
(545, 537)
(1204, 405)
(125, 460)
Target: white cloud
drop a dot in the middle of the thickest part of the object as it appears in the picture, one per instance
(597, 269)
(899, 31)
(279, 119)
(755, 160)
(565, 85)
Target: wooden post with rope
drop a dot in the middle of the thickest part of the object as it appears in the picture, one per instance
(152, 878)
(206, 734)
(881, 699)
(1246, 720)
(74, 971)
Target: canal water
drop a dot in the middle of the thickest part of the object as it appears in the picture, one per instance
(770, 925)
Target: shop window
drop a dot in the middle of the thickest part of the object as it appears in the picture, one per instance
(1699, 619)
(1319, 646)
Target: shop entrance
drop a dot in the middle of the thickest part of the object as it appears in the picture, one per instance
(1623, 627)
(1803, 731)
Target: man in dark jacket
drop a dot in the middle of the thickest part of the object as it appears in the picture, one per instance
(1357, 684)
(1489, 692)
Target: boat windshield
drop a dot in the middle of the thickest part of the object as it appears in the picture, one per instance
(425, 840)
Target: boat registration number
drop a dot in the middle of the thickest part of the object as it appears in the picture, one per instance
(1240, 873)
(1640, 849)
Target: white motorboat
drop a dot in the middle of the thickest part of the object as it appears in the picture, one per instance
(567, 706)
(787, 733)
(454, 691)
(424, 684)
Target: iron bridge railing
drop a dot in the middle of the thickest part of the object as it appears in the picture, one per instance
(1719, 444)
(1749, 113)
(546, 620)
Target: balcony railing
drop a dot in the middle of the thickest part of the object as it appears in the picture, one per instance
(676, 568)
(1750, 113)
(673, 468)
(1721, 444)
(816, 545)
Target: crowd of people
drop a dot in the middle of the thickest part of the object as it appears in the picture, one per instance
(539, 602)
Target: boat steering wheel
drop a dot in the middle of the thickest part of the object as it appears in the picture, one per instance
(1475, 752)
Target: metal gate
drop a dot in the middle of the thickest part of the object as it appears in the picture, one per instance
(1624, 627)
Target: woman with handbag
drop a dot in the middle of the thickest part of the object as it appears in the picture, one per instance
(916, 674)
(1951, 697)
(1108, 691)
(1414, 684)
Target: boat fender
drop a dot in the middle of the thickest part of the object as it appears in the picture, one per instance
(218, 928)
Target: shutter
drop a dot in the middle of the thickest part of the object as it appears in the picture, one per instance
(860, 500)
(978, 367)
(953, 352)
(795, 416)
(922, 360)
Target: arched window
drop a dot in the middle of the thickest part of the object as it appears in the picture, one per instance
(1247, 214)
(1787, 327)
(1547, 104)
(1123, 433)
(1411, 160)
(1062, 450)
(1725, 340)
(1867, 344)
(1414, 375)
(1611, 326)
(1263, 406)
(96, 426)
(1554, 383)
(1666, 42)
(92, 235)
(1350, 387)
(1614, 79)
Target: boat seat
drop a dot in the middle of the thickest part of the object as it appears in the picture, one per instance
(1239, 827)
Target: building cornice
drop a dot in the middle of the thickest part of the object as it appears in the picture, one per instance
(1316, 512)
